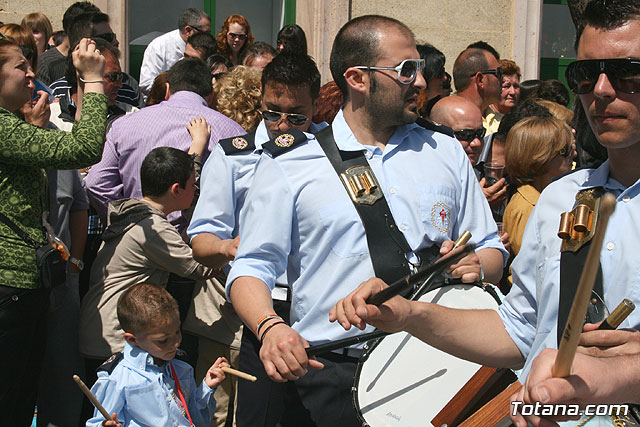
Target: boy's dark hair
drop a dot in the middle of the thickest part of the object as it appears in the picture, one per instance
(217, 59)
(521, 110)
(190, 74)
(293, 69)
(433, 61)
(608, 15)
(76, 9)
(529, 89)
(553, 90)
(484, 46)
(70, 72)
(144, 306)
(163, 167)
(204, 42)
(293, 39)
(357, 44)
(256, 50)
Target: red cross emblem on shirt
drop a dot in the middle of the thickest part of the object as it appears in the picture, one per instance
(443, 216)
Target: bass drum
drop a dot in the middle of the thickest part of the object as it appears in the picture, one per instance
(402, 381)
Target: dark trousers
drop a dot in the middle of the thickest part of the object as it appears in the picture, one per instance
(22, 341)
(181, 289)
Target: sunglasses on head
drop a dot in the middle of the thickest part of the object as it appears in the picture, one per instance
(623, 73)
(113, 77)
(294, 119)
(468, 135)
(496, 71)
(407, 70)
(237, 36)
(109, 37)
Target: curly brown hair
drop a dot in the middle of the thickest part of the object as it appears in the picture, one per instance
(221, 37)
(238, 95)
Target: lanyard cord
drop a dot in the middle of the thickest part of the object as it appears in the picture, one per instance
(179, 390)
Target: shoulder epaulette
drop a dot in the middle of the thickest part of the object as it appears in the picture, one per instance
(436, 127)
(283, 143)
(110, 364)
(238, 144)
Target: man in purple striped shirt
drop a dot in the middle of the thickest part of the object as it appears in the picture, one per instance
(132, 137)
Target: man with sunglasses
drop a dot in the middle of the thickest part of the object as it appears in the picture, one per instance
(606, 368)
(477, 76)
(300, 218)
(290, 86)
(167, 49)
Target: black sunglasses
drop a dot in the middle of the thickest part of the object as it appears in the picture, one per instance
(113, 77)
(199, 30)
(623, 73)
(217, 75)
(109, 37)
(496, 71)
(294, 119)
(468, 135)
(237, 36)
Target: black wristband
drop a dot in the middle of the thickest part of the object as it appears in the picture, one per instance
(269, 328)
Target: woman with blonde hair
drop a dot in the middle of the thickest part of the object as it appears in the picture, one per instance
(40, 26)
(234, 37)
(237, 95)
(538, 149)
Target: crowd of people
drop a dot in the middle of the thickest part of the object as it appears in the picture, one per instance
(229, 210)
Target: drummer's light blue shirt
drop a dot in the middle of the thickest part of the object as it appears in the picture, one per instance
(224, 182)
(530, 310)
(299, 218)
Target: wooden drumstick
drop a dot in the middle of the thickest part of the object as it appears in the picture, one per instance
(571, 336)
(92, 398)
(238, 374)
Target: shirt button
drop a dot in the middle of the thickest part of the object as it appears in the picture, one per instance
(610, 246)
(403, 227)
(626, 199)
(168, 398)
(392, 190)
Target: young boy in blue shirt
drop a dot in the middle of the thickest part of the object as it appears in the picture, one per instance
(144, 385)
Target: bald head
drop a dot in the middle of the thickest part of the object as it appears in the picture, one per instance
(459, 113)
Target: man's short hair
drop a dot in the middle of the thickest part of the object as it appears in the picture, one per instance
(357, 43)
(608, 15)
(433, 61)
(256, 50)
(293, 69)
(102, 45)
(163, 167)
(203, 42)
(192, 18)
(190, 74)
(521, 110)
(485, 46)
(101, 17)
(74, 10)
(468, 63)
(144, 306)
(81, 26)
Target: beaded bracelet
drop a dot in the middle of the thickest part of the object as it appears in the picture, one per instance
(264, 320)
(281, 322)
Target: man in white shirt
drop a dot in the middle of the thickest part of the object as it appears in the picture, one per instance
(167, 49)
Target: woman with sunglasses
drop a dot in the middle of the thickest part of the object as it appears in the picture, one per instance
(234, 37)
(537, 150)
(26, 151)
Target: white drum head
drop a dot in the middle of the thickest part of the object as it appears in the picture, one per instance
(405, 382)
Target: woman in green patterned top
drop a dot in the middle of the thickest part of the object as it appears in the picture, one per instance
(25, 150)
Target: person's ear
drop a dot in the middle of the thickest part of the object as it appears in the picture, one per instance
(167, 92)
(130, 338)
(175, 189)
(357, 80)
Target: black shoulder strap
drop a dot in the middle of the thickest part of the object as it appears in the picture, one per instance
(436, 127)
(285, 142)
(387, 245)
(571, 266)
(12, 225)
(239, 144)
(110, 364)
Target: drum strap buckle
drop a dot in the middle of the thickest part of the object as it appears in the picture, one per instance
(361, 184)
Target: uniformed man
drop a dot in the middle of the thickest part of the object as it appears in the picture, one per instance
(300, 218)
(608, 84)
(290, 86)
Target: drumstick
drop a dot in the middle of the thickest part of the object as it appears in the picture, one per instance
(92, 398)
(238, 374)
(571, 336)
(622, 311)
(345, 342)
(408, 281)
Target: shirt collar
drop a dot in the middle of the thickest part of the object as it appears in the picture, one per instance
(141, 359)
(529, 193)
(262, 135)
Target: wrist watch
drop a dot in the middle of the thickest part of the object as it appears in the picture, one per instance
(77, 262)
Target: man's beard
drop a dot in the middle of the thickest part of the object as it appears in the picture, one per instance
(391, 111)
